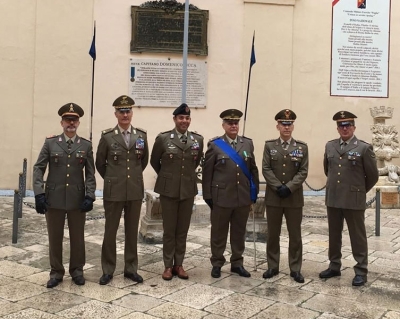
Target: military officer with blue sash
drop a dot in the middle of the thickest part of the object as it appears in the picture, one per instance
(122, 156)
(230, 186)
(285, 168)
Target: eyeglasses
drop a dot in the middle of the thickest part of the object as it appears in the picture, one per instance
(70, 120)
(232, 123)
(342, 127)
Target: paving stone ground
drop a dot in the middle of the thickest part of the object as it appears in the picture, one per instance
(24, 269)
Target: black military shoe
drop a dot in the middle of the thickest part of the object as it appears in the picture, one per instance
(79, 280)
(53, 282)
(297, 276)
(216, 272)
(105, 279)
(240, 271)
(359, 280)
(133, 276)
(270, 273)
(329, 273)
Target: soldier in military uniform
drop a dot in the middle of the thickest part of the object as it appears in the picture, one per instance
(226, 190)
(285, 168)
(122, 156)
(175, 156)
(69, 190)
(350, 165)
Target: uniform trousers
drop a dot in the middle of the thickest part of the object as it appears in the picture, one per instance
(176, 216)
(221, 217)
(113, 212)
(55, 219)
(293, 217)
(355, 220)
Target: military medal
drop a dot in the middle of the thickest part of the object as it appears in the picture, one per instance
(139, 144)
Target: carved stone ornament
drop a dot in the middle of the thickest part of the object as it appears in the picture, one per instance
(385, 141)
(169, 6)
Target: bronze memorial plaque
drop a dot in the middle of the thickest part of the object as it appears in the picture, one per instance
(161, 30)
(390, 198)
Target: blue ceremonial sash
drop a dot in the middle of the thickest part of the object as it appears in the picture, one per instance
(228, 150)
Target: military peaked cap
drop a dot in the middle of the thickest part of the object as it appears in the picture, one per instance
(286, 117)
(231, 114)
(123, 103)
(71, 110)
(344, 118)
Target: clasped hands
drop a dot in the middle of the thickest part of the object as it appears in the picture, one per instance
(283, 191)
(41, 204)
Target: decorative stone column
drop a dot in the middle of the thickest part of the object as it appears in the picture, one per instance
(386, 147)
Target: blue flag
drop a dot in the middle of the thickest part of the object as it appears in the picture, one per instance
(253, 54)
(92, 50)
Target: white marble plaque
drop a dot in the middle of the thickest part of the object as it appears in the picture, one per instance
(360, 48)
(158, 83)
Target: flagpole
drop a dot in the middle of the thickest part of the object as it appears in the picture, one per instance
(252, 61)
(185, 50)
(92, 53)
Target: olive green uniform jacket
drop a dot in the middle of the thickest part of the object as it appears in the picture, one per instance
(285, 167)
(175, 164)
(71, 172)
(122, 166)
(223, 180)
(351, 173)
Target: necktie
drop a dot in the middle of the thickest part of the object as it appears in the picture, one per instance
(183, 138)
(343, 145)
(285, 145)
(126, 137)
(69, 142)
(233, 145)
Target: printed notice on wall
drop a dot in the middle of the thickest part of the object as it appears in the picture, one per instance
(158, 83)
(360, 48)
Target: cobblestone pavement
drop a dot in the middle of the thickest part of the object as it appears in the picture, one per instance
(24, 269)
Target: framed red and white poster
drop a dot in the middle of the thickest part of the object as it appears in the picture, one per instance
(360, 48)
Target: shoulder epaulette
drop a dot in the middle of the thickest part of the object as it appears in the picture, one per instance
(51, 136)
(162, 133)
(213, 139)
(332, 140)
(365, 142)
(107, 130)
(85, 139)
(272, 140)
(141, 129)
(301, 142)
(247, 138)
(194, 132)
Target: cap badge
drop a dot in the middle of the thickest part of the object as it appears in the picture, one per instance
(342, 115)
(124, 101)
(287, 114)
(187, 109)
(71, 108)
